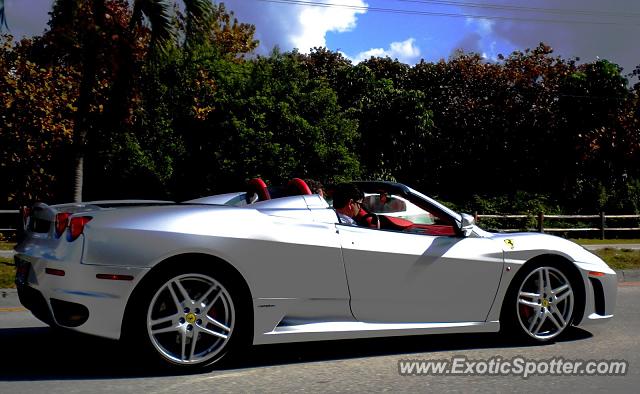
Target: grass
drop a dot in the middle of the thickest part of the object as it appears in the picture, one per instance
(620, 258)
(7, 273)
(6, 245)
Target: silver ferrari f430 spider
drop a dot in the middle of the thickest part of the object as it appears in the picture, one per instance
(192, 283)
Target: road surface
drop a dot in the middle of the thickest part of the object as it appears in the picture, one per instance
(36, 359)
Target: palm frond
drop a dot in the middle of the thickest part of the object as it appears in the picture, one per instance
(159, 15)
(3, 18)
(199, 10)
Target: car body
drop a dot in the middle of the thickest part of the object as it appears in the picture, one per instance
(194, 281)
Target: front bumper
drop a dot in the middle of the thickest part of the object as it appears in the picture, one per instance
(77, 299)
(600, 295)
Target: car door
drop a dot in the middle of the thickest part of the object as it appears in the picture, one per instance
(396, 276)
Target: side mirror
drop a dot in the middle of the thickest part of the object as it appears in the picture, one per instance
(466, 226)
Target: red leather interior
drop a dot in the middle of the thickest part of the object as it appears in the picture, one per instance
(297, 186)
(434, 229)
(257, 185)
(394, 223)
(361, 213)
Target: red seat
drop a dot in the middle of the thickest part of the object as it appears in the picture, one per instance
(394, 223)
(297, 186)
(386, 222)
(258, 187)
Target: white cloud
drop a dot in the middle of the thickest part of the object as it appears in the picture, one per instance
(481, 26)
(317, 21)
(584, 28)
(405, 51)
(291, 26)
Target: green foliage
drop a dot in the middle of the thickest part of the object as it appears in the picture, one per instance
(532, 132)
(38, 105)
(520, 202)
(7, 273)
(268, 119)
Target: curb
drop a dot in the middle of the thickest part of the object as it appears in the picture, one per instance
(7, 253)
(7, 293)
(9, 299)
(628, 275)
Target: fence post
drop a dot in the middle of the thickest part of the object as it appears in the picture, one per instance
(602, 224)
(475, 216)
(541, 222)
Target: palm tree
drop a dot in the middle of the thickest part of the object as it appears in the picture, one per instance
(158, 15)
(3, 19)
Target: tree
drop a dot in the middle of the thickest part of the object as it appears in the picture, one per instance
(394, 70)
(37, 121)
(92, 21)
(326, 64)
(265, 118)
(3, 18)
(600, 111)
(231, 39)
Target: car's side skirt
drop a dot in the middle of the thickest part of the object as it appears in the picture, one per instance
(320, 331)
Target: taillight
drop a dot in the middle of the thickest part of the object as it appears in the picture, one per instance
(61, 222)
(76, 226)
(114, 277)
(53, 271)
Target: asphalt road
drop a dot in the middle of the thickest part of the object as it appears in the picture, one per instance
(37, 359)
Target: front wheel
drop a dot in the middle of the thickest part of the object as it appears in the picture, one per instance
(540, 306)
(190, 320)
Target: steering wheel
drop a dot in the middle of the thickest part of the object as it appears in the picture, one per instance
(374, 223)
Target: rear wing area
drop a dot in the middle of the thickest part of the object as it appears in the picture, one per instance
(51, 221)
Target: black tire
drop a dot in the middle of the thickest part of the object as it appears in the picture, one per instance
(155, 309)
(534, 316)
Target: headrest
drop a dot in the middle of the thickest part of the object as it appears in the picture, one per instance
(297, 186)
(257, 188)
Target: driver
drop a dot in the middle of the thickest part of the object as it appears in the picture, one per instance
(347, 201)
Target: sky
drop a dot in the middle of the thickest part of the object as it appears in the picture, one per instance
(411, 30)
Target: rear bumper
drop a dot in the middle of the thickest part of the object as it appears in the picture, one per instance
(33, 300)
(77, 300)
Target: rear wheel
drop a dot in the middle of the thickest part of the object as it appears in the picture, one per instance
(190, 320)
(540, 305)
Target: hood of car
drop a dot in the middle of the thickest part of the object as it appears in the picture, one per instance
(516, 245)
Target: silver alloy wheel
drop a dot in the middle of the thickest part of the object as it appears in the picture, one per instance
(190, 319)
(545, 303)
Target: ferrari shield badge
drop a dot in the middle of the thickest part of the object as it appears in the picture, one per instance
(509, 243)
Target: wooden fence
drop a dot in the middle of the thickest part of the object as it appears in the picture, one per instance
(4, 213)
(599, 222)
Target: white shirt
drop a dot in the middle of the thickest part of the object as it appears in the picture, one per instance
(348, 220)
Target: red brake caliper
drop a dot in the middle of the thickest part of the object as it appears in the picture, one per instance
(525, 311)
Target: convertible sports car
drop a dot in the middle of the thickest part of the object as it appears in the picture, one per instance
(192, 283)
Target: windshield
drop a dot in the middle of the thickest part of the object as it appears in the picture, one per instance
(443, 208)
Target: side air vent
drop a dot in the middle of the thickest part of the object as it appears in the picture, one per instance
(598, 296)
